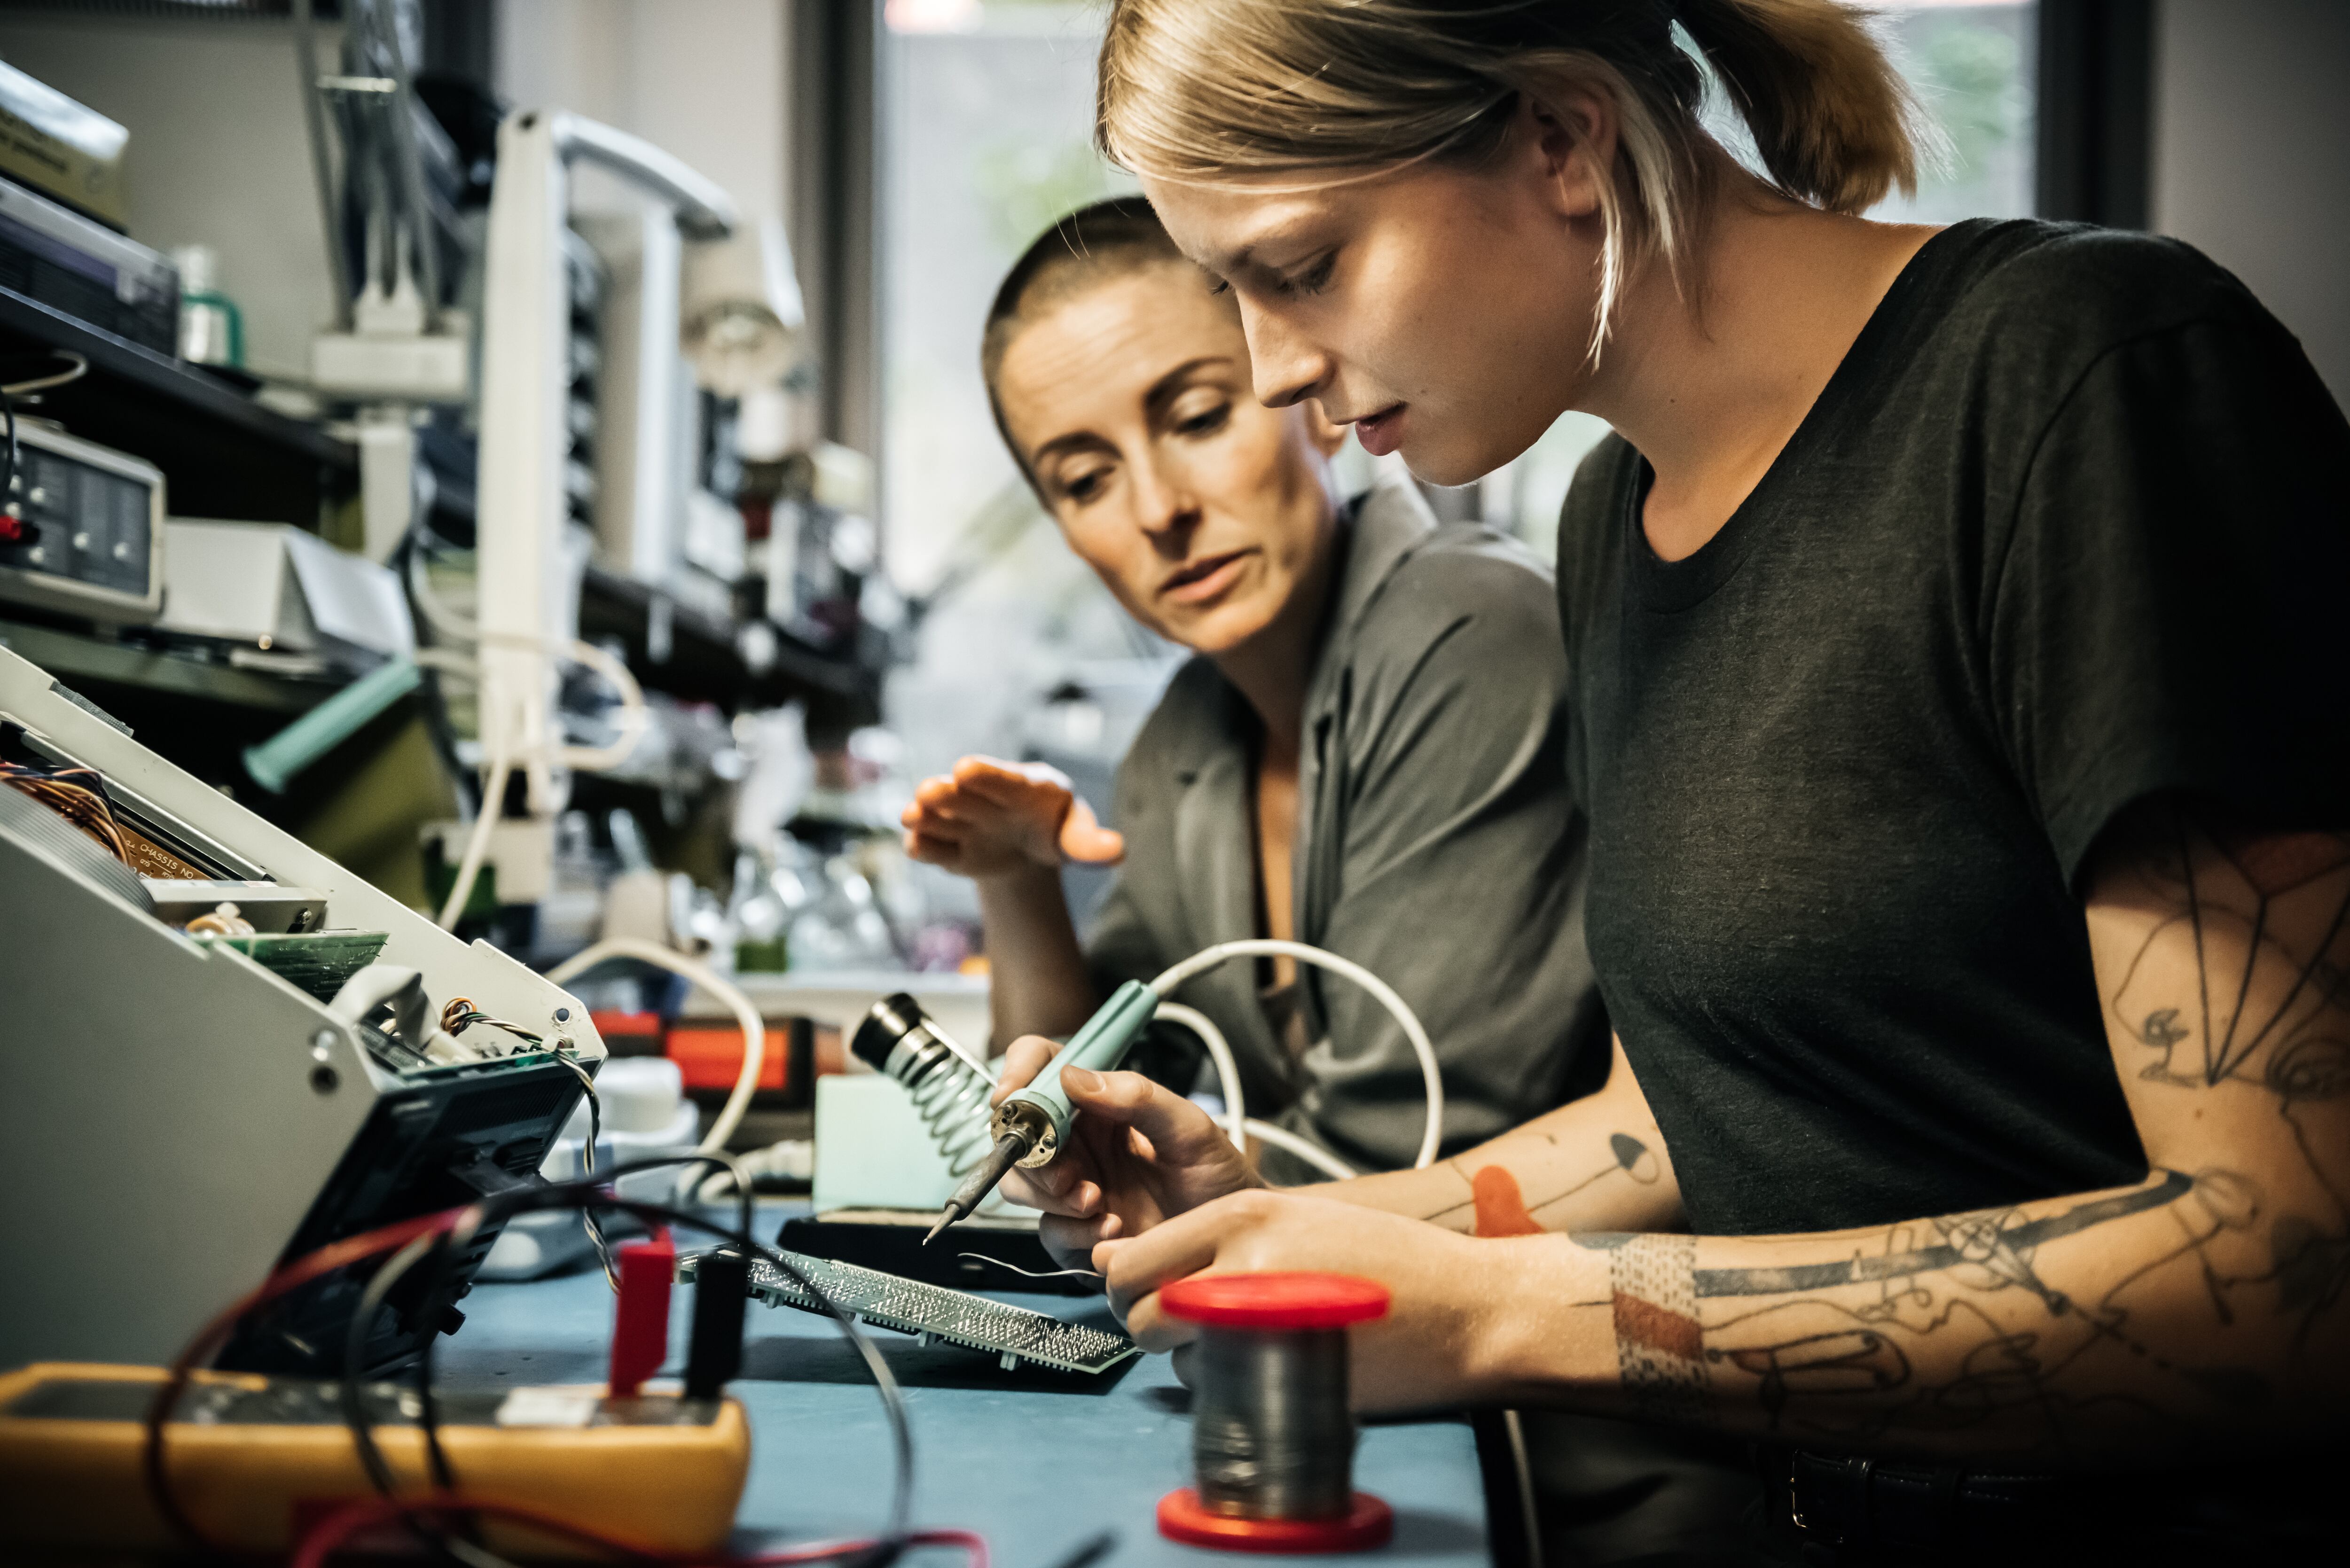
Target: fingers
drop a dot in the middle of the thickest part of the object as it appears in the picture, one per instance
(1029, 1056)
(1087, 841)
(1072, 1242)
(1057, 1189)
(1179, 1132)
(1135, 1267)
(933, 848)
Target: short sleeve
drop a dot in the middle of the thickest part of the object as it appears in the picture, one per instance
(2168, 612)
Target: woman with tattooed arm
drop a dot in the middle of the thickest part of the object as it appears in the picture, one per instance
(1967, 744)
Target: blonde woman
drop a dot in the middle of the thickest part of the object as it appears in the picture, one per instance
(1964, 726)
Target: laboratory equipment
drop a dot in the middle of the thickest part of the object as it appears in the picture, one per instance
(61, 148)
(78, 268)
(251, 1460)
(270, 590)
(82, 529)
(239, 1112)
(1272, 1441)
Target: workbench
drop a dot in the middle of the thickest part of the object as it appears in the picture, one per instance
(1038, 1462)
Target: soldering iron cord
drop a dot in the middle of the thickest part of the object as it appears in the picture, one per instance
(1432, 1072)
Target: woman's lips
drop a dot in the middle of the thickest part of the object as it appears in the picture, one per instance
(1204, 580)
(1381, 434)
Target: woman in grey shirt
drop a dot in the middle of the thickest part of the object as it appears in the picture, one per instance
(1366, 753)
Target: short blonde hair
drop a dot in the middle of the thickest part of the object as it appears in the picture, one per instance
(1200, 92)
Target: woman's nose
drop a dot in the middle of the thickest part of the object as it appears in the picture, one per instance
(1163, 503)
(1289, 368)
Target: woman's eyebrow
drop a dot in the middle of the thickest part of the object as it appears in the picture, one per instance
(1075, 441)
(1162, 390)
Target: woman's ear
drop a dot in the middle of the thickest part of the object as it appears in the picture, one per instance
(1327, 437)
(1568, 134)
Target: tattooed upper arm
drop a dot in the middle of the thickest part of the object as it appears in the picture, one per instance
(2223, 960)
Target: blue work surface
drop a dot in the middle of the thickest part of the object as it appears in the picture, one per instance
(1037, 1461)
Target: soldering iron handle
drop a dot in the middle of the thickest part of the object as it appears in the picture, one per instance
(1099, 1046)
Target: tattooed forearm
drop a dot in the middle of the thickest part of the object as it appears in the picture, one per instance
(2207, 1305)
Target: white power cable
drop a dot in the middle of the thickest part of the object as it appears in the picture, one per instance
(1239, 1125)
(1219, 1052)
(1312, 1153)
(754, 1030)
(1431, 1072)
(477, 842)
(631, 723)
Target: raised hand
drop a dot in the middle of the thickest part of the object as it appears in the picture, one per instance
(989, 818)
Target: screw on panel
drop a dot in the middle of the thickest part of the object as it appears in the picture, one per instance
(325, 1080)
(322, 1045)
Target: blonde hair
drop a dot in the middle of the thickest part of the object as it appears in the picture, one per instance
(1200, 92)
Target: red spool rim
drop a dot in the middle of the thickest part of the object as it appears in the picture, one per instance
(1182, 1517)
(1275, 1300)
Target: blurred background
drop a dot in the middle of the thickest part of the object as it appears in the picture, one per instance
(654, 323)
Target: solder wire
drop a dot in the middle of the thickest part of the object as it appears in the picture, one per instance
(1271, 1436)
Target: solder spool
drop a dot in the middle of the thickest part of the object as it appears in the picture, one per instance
(1272, 1441)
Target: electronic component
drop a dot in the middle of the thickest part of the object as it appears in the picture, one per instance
(1030, 1127)
(1012, 1333)
(232, 1120)
(85, 270)
(251, 1458)
(82, 529)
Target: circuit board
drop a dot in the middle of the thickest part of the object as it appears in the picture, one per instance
(937, 1314)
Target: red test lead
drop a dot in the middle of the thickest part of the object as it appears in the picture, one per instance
(640, 1318)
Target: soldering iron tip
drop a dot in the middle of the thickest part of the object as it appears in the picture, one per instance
(945, 1220)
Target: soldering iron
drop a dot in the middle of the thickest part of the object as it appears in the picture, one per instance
(1033, 1124)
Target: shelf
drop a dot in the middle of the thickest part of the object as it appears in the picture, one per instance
(73, 656)
(704, 662)
(223, 454)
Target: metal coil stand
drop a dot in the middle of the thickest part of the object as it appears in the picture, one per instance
(943, 1080)
(1273, 1442)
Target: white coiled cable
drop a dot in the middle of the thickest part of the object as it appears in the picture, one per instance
(1431, 1072)
(1239, 1125)
(949, 1087)
(754, 1030)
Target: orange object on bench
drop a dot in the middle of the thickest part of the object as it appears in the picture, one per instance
(709, 1056)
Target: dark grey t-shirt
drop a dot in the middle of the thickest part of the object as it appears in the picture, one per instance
(2065, 528)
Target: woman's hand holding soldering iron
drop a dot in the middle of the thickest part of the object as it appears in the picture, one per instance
(988, 818)
(1138, 1154)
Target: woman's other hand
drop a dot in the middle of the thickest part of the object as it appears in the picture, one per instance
(989, 818)
(1138, 1154)
(1445, 1340)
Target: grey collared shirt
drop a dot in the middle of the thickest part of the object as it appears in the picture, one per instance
(1437, 845)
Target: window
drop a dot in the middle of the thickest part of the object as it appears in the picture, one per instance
(987, 111)
(1972, 64)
